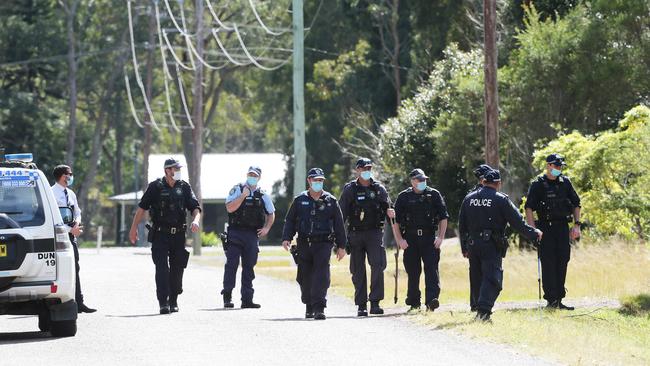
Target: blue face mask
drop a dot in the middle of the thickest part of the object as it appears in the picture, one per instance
(317, 186)
(69, 179)
(555, 172)
(252, 181)
(422, 186)
(366, 175)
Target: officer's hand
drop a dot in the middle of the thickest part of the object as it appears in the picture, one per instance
(286, 244)
(245, 192)
(539, 234)
(195, 226)
(403, 244)
(133, 236)
(262, 232)
(390, 213)
(340, 253)
(465, 254)
(76, 230)
(438, 242)
(575, 232)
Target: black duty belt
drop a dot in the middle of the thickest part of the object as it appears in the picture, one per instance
(362, 228)
(420, 232)
(316, 238)
(170, 229)
(486, 234)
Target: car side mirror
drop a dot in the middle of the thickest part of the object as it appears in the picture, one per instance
(66, 215)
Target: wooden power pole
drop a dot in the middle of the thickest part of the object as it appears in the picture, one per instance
(491, 88)
(299, 148)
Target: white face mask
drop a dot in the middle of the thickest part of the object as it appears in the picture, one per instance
(178, 175)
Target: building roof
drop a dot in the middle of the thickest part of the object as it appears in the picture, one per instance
(220, 172)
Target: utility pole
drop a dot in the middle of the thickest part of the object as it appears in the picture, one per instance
(197, 132)
(491, 90)
(299, 149)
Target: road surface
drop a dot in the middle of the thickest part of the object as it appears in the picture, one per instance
(127, 329)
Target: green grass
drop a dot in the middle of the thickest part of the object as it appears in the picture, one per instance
(583, 337)
(586, 336)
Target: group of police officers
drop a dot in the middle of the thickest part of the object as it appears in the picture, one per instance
(354, 224)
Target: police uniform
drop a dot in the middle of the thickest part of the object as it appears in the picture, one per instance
(483, 217)
(554, 201)
(418, 215)
(475, 277)
(65, 197)
(364, 209)
(243, 241)
(319, 224)
(167, 205)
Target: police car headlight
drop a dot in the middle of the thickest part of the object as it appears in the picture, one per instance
(62, 240)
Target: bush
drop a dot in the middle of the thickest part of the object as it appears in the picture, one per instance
(209, 239)
(636, 305)
(611, 173)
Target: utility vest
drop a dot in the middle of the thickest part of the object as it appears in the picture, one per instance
(315, 217)
(251, 214)
(169, 209)
(555, 205)
(420, 214)
(368, 212)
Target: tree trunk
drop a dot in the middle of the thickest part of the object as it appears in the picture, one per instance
(148, 89)
(491, 91)
(70, 11)
(394, 23)
(194, 161)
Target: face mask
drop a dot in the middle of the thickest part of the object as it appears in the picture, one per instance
(178, 175)
(69, 180)
(366, 175)
(422, 186)
(317, 186)
(555, 172)
(252, 181)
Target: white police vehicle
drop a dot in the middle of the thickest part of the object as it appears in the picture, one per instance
(37, 268)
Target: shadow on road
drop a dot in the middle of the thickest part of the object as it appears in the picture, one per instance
(135, 315)
(222, 309)
(288, 320)
(25, 337)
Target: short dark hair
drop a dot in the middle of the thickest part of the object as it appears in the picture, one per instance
(59, 170)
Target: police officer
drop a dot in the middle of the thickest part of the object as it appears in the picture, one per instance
(475, 267)
(250, 216)
(422, 217)
(167, 198)
(555, 201)
(65, 197)
(483, 217)
(365, 204)
(316, 216)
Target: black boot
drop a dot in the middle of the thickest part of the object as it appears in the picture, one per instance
(309, 312)
(362, 310)
(82, 308)
(561, 306)
(375, 309)
(227, 299)
(250, 305)
(173, 303)
(164, 309)
(483, 316)
(433, 305)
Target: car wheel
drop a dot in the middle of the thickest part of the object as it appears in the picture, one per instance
(65, 328)
(44, 321)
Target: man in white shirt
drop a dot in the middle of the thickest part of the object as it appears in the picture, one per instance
(65, 197)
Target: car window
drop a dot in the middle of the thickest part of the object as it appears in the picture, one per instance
(20, 199)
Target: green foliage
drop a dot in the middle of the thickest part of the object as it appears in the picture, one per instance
(611, 172)
(638, 305)
(436, 130)
(209, 239)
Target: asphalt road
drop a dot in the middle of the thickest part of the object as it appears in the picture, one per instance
(128, 330)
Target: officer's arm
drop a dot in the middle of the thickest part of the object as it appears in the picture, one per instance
(462, 229)
(516, 221)
(531, 204)
(289, 229)
(443, 216)
(339, 228)
(269, 209)
(575, 201)
(399, 217)
(345, 202)
(233, 203)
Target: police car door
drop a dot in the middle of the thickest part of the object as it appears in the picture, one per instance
(27, 238)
